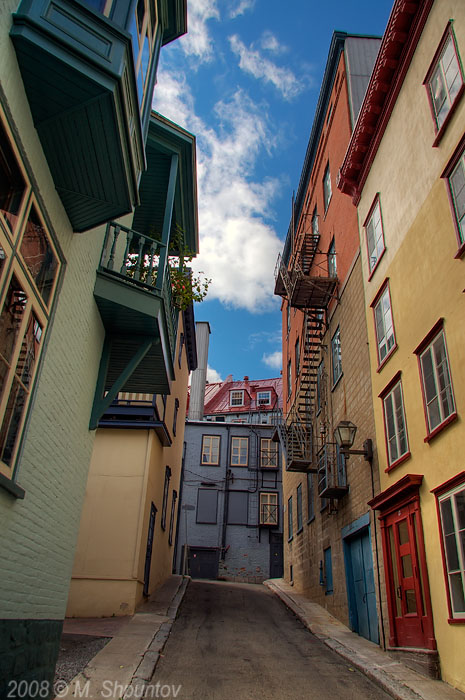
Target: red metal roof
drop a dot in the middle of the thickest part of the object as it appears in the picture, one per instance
(217, 395)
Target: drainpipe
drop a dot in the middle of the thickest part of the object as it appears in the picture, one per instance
(178, 518)
(377, 559)
(226, 494)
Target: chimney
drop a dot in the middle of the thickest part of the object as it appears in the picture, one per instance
(199, 375)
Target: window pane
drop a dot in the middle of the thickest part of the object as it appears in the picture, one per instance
(10, 323)
(12, 185)
(456, 587)
(457, 184)
(460, 508)
(20, 389)
(445, 393)
(38, 256)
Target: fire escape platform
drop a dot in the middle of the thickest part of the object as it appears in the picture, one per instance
(312, 292)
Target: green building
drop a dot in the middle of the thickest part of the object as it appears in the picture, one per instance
(93, 186)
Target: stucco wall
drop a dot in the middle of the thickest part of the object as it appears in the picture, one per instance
(426, 283)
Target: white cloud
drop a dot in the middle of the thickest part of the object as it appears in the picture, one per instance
(212, 375)
(273, 359)
(269, 42)
(238, 247)
(197, 42)
(241, 7)
(252, 62)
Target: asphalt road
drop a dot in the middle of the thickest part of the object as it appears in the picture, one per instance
(238, 641)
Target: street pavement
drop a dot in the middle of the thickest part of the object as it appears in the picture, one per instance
(233, 640)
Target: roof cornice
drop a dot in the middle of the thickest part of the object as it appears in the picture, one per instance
(403, 31)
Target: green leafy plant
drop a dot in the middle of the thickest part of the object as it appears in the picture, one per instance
(186, 286)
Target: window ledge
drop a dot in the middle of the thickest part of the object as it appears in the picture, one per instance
(376, 264)
(398, 462)
(12, 487)
(289, 539)
(301, 529)
(385, 359)
(310, 520)
(441, 427)
(460, 251)
(456, 620)
(442, 130)
(337, 382)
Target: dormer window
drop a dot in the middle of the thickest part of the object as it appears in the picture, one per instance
(263, 398)
(236, 398)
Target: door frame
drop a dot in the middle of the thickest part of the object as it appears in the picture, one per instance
(405, 492)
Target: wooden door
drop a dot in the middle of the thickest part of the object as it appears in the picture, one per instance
(407, 591)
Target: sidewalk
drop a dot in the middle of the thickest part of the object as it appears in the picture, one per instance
(126, 664)
(392, 676)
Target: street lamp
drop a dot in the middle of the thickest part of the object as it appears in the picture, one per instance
(344, 435)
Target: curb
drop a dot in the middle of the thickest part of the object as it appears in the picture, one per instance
(145, 670)
(392, 686)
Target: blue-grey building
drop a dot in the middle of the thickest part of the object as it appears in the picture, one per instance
(230, 523)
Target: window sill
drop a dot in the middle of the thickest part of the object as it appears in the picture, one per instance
(337, 382)
(300, 530)
(442, 130)
(12, 487)
(456, 620)
(310, 520)
(398, 462)
(385, 359)
(289, 539)
(441, 427)
(460, 251)
(372, 272)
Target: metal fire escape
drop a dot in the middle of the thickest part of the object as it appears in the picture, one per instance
(306, 284)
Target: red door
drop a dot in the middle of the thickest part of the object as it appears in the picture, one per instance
(407, 589)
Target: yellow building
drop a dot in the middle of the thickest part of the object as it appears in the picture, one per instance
(127, 534)
(405, 169)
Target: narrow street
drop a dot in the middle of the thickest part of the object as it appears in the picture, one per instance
(234, 640)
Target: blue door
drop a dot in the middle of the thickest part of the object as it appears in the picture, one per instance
(361, 586)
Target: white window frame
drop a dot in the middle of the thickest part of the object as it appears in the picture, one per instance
(208, 449)
(327, 188)
(458, 572)
(395, 424)
(315, 225)
(336, 356)
(444, 79)
(374, 233)
(268, 453)
(441, 370)
(235, 396)
(458, 206)
(384, 325)
(261, 401)
(269, 508)
(332, 262)
(237, 446)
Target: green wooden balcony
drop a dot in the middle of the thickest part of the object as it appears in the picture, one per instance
(78, 73)
(134, 298)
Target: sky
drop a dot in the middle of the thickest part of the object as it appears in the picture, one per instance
(245, 80)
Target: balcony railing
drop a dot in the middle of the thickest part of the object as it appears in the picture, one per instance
(332, 475)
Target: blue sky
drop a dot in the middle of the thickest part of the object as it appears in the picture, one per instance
(245, 80)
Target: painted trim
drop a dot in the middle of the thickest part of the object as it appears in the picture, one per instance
(376, 201)
(398, 462)
(450, 419)
(374, 303)
(12, 487)
(397, 48)
(210, 464)
(438, 326)
(397, 379)
(439, 491)
(353, 527)
(433, 65)
(406, 488)
(390, 385)
(446, 173)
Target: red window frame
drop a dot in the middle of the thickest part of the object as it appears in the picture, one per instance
(440, 491)
(376, 203)
(435, 331)
(397, 379)
(445, 175)
(440, 129)
(374, 304)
